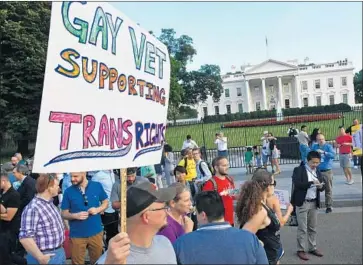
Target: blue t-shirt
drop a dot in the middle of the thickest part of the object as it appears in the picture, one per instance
(75, 203)
(327, 158)
(203, 246)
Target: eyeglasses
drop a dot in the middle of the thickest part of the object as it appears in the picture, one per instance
(273, 184)
(166, 208)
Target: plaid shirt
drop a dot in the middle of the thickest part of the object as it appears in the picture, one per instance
(42, 221)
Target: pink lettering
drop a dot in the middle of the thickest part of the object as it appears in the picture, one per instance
(89, 123)
(115, 133)
(66, 119)
(103, 132)
(125, 127)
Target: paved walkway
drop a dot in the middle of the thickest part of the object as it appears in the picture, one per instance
(343, 194)
(339, 238)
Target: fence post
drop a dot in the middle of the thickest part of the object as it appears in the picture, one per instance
(205, 148)
(343, 119)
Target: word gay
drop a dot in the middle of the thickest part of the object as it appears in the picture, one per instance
(116, 80)
(102, 22)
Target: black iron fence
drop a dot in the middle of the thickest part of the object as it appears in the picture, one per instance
(249, 132)
(289, 154)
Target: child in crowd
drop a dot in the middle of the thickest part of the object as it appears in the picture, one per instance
(258, 158)
(249, 160)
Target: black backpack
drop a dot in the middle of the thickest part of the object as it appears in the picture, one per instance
(208, 165)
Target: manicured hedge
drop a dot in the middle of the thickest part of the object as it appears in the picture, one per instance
(285, 120)
(272, 113)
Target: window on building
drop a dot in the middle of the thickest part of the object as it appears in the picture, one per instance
(216, 110)
(331, 99)
(228, 108)
(330, 83)
(304, 85)
(239, 92)
(317, 84)
(287, 103)
(257, 88)
(344, 81)
(318, 100)
(345, 98)
(286, 88)
(215, 100)
(226, 92)
(272, 90)
(258, 106)
(306, 102)
(205, 111)
(240, 107)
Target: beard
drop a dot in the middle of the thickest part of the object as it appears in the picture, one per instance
(77, 183)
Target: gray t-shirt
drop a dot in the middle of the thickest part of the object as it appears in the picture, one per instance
(116, 190)
(303, 138)
(161, 251)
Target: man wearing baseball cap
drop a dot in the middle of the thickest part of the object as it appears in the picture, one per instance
(146, 216)
(132, 179)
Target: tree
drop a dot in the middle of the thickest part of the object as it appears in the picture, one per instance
(24, 29)
(188, 88)
(358, 89)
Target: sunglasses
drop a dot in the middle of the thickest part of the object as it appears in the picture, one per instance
(166, 208)
(85, 199)
(273, 184)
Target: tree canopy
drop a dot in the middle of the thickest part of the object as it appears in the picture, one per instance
(358, 89)
(24, 29)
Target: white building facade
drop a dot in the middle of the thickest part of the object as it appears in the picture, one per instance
(278, 85)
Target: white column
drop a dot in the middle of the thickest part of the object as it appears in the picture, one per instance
(264, 106)
(248, 96)
(297, 91)
(280, 98)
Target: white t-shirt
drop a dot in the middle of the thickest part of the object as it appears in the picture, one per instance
(221, 144)
(311, 192)
(189, 144)
(161, 251)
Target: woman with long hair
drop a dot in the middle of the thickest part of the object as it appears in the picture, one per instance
(255, 213)
(178, 221)
(313, 136)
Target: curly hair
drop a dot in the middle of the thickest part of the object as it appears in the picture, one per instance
(251, 196)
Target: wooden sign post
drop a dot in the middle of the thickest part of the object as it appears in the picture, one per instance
(123, 192)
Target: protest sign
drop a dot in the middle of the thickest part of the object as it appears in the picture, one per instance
(284, 198)
(105, 94)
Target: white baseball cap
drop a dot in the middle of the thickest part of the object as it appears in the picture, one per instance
(265, 132)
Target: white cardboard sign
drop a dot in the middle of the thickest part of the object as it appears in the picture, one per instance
(105, 94)
(284, 198)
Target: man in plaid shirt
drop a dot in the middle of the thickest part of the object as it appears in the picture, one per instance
(42, 230)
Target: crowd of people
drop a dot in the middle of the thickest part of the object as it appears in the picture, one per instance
(177, 211)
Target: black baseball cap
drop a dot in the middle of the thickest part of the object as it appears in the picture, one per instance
(142, 195)
(131, 171)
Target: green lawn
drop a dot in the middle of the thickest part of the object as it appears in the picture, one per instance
(251, 135)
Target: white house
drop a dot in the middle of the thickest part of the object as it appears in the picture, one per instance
(274, 84)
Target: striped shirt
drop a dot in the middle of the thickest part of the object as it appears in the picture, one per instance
(42, 221)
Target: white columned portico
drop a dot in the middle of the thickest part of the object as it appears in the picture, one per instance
(248, 95)
(297, 91)
(264, 106)
(280, 98)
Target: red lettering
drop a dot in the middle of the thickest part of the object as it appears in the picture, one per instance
(89, 123)
(103, 132)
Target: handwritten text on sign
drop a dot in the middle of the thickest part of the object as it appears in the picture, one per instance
(105, 94)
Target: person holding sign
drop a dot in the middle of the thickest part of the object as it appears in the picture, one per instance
(308, 183)
(82, 204)
(146, 216)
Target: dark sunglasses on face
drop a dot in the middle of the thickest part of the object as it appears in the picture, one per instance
(273, 184)
(167, 208)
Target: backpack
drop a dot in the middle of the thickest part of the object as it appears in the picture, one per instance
(208, 165)
(215, 183)
(292, 132)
